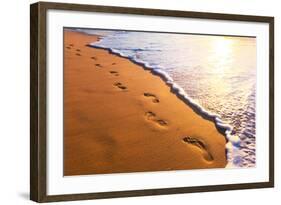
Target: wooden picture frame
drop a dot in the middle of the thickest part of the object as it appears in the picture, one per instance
(38, 101)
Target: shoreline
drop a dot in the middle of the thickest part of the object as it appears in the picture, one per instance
(222, 128)
(195, 148)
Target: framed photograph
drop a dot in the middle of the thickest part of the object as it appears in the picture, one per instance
(134, 102)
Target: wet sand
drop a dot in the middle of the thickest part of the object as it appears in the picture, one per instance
(119, 117)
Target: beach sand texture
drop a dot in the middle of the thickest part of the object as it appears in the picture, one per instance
(119, 117)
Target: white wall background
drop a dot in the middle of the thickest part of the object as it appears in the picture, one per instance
(14, 101)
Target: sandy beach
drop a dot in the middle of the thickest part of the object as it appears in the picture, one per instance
(119, 117)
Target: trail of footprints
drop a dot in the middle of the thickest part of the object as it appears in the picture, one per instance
(151, 116)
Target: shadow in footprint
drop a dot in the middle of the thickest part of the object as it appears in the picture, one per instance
(98, 65)
(113, 64)
(120, 86)
(78, 54)
(162, 122)
(94, 58)
(152, 96)
(200, 144)
(113, 72)
(151, 116)
(68, 47)
(78, 50)
(71, 45)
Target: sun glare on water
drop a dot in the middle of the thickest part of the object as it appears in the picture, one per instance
(221, 54)
(222, 46)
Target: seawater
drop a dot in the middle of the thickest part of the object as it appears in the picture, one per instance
(217, 74)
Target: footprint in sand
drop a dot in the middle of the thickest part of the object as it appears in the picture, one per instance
(152, 96)
(98, 65)
(78, 50)
(151, 116)
(113, 64)
(78, 54)
(120, 86)
(94, 58)
(68, 47)
(71, 45)
(113, 72)
(198, 143)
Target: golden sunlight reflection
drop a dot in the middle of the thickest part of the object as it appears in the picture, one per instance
(221, 54)
(222, 45)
